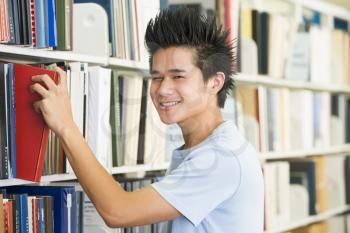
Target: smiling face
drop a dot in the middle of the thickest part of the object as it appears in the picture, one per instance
(178, 90)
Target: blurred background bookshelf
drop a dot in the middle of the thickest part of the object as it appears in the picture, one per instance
(291, 99)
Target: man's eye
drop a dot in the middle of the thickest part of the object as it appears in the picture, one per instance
(178, 77)
(157, 78)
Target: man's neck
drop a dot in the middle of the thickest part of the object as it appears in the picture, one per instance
(197, 130)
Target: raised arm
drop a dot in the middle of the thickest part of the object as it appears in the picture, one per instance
(117, 207)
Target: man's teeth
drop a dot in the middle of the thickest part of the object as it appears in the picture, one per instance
(169, 104)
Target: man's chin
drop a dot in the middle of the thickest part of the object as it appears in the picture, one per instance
(168, 121)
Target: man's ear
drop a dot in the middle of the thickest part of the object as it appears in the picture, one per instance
(216, 82)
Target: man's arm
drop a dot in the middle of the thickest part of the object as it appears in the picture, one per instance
(117, 207)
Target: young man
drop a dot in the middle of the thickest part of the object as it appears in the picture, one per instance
(214, 183)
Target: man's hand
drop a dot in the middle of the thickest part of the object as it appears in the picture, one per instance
(55, 104)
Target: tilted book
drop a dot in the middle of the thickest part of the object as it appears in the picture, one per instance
(31, 129)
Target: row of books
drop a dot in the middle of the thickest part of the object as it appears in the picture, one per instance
(296, 189)
(38, 24)
(38, 209)
(284, 120)
(115, 113)
(61, 208)
(23, 132)
(112, 109)
(274, 45)
(127, 22)
(93, 222)
(50, 24)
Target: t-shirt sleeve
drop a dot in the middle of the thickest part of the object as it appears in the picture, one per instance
(201, 183)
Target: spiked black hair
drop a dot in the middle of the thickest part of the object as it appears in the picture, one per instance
(185, 27)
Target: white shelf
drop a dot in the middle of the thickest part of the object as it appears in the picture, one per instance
(139, 168)
(305, 153)
(311, 219)
(43, 55)
(264, 80)
(129, 64)
(44, 180)
(65, 177)
(11, 182)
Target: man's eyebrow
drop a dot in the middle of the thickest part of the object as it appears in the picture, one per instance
(176, 71)
(170, 71)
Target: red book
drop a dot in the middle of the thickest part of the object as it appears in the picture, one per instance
(33, 17)
(8, 219)
(31, 129)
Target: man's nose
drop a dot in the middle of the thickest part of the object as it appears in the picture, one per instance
(166, 87)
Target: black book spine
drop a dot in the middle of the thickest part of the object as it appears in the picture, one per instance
(264, 43)
(3, 123)
(11, 21)
(28, 23)
(142, 129)
(347, 179)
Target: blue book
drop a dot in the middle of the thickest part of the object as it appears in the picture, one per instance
(41, 216)
(51, 14)
(23, 213)
(63, 197)
(341, 24)
(40, 24)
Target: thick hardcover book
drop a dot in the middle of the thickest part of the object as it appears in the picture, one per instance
(63, 210)
(31, 130)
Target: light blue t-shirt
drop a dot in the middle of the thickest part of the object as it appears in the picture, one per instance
(217, 185)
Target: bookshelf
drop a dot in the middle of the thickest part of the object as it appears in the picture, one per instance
(311, 220)
(340, 149)
(36, 55)
(278, 162)
(267, 81)
(22, 54)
